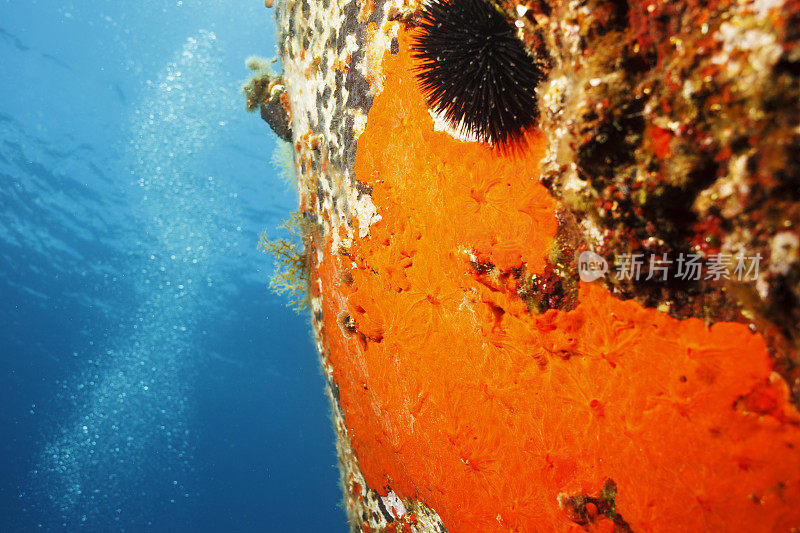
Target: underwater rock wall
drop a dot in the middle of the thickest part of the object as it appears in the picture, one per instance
(477, 384)
(673, 129)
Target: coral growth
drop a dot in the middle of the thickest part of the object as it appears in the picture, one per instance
(257, 89)
(265, 91)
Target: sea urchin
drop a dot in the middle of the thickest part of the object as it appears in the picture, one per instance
(475, 72)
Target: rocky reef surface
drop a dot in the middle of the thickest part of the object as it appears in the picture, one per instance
(481, 377)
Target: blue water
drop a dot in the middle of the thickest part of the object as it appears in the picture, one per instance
(149, 381)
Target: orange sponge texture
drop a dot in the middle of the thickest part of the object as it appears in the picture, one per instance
(456, 395)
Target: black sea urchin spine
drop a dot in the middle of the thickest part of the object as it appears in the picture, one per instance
(475, 72)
